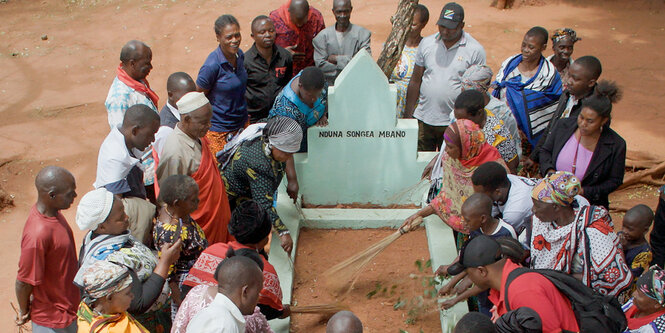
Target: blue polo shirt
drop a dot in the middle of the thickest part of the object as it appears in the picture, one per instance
(226, 90)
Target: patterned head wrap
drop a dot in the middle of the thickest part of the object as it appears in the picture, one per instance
(477, 77)
(559, 188)
(104, 278)
(283, 133)
(249, 223)
(652, 284)
(562, 33)
(471, 137)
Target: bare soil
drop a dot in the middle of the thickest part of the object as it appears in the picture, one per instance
(383, 283)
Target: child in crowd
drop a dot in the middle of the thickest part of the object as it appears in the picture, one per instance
(179, 196)
(636, 249)
(106, 298)
(645, 311)
(477, 214)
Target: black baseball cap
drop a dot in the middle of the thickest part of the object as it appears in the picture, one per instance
(479, 251)
(451, 15)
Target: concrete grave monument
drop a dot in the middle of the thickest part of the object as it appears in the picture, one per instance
(364, 155)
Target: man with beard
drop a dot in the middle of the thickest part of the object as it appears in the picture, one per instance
(269, 68)
(441, 60)
(335, 46)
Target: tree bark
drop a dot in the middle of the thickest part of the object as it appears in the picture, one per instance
(392, 50)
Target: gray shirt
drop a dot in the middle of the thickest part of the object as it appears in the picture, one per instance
(443, 69)
(354, 39)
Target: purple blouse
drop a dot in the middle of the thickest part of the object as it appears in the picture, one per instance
(566, 158)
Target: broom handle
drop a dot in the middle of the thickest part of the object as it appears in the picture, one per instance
(418, 221)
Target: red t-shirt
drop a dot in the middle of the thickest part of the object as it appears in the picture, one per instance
(535, 291)
(48, 262)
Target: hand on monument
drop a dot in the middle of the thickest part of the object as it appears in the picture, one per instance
(332, 59)
(292, 190)
(22, 318)
(287, 243)
(322, 122)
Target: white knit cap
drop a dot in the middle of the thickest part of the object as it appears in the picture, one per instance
(191, 101)
(94, 208)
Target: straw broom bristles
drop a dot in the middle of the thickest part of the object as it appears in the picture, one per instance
(346, 272)
(319, 308)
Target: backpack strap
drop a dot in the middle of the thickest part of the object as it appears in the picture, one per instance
(512, 276)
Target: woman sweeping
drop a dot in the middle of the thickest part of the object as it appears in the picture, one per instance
(465, 150)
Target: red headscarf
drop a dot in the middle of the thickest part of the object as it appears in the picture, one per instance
(475, 150)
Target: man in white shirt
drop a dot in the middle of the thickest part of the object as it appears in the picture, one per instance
(119, 167)
(240, 280)
(441, 60)
(511, 194)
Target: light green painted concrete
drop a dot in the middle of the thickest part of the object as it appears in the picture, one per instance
(362, 165)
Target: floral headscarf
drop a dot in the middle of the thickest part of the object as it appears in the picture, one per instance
(562, 33)
(559, 188)
(652, 284)
(104, 278)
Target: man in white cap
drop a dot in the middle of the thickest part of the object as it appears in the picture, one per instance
(119, 167)
(441, 60)
(47, 266)
(186, 152)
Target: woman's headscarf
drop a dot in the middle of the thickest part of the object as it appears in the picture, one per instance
(283, 133)
(477, 77)
(104, 278)
(94, 208)
(475, 150)
(559, 188)
(250, 223)
(652, 284)
(562, 33)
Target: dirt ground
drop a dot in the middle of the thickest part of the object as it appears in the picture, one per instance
(383, 283)
(53, 90)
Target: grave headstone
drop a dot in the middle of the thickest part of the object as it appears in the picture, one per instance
(365, 155)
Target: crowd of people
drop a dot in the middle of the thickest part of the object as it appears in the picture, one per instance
(183, 208)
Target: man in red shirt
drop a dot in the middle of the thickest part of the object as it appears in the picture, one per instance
(485, 265)
(296, 25)
(48, 258)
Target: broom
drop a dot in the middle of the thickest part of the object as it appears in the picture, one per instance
(348, 270)
(319, 308)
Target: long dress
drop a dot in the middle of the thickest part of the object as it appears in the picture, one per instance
(456, 184)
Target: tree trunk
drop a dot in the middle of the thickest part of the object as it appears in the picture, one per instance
(392, 50)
